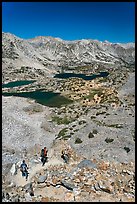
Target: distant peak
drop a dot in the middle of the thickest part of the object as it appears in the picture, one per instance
(84, 40)
(43, 38)
(107, 42)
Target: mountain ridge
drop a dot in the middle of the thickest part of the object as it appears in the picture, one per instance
(59, 38)
(51, 54)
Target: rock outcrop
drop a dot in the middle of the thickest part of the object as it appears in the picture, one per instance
(81, 180)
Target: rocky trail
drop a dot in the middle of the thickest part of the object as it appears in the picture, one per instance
(79, 180)
(21, 181)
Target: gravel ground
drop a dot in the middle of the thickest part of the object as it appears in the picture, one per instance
(22, 130)
(124, 115)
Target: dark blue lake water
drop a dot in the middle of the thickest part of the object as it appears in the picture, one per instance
(83, 76)
(17, 83)
(45, 98)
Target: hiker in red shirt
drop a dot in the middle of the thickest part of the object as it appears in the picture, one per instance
(44, 155)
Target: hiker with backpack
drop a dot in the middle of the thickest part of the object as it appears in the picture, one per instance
(24, 169)
(44, 156)
(65, 156)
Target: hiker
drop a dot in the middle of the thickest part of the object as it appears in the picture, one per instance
(44, 155)
(65, 156)
(23, 169)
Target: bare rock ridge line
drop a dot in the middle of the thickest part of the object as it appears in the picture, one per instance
(46, 55)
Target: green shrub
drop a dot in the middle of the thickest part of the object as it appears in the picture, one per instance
(99, 113)
(72, 133)
(115, 125)
(95, 131)
(62, 133)
(82, 122)
(66, 120)
(93, 117)
(76, 130)
(78, 141)
(127, 149)
(59, 120)
(108, 140)
(90, 135)
(66, 137)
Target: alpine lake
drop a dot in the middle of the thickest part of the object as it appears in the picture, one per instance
(48, 98)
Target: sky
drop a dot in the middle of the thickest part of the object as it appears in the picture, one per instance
(111, 21)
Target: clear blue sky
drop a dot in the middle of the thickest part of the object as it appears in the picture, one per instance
(112, 21)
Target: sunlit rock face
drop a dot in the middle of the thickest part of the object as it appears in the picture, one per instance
(45, 55)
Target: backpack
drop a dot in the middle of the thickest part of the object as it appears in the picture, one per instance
(45, 152)
(24, 167)
(65, 157)
(42, 153)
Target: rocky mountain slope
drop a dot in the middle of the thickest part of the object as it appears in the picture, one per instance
(101, 142)
(47, 55)
(97, 129)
